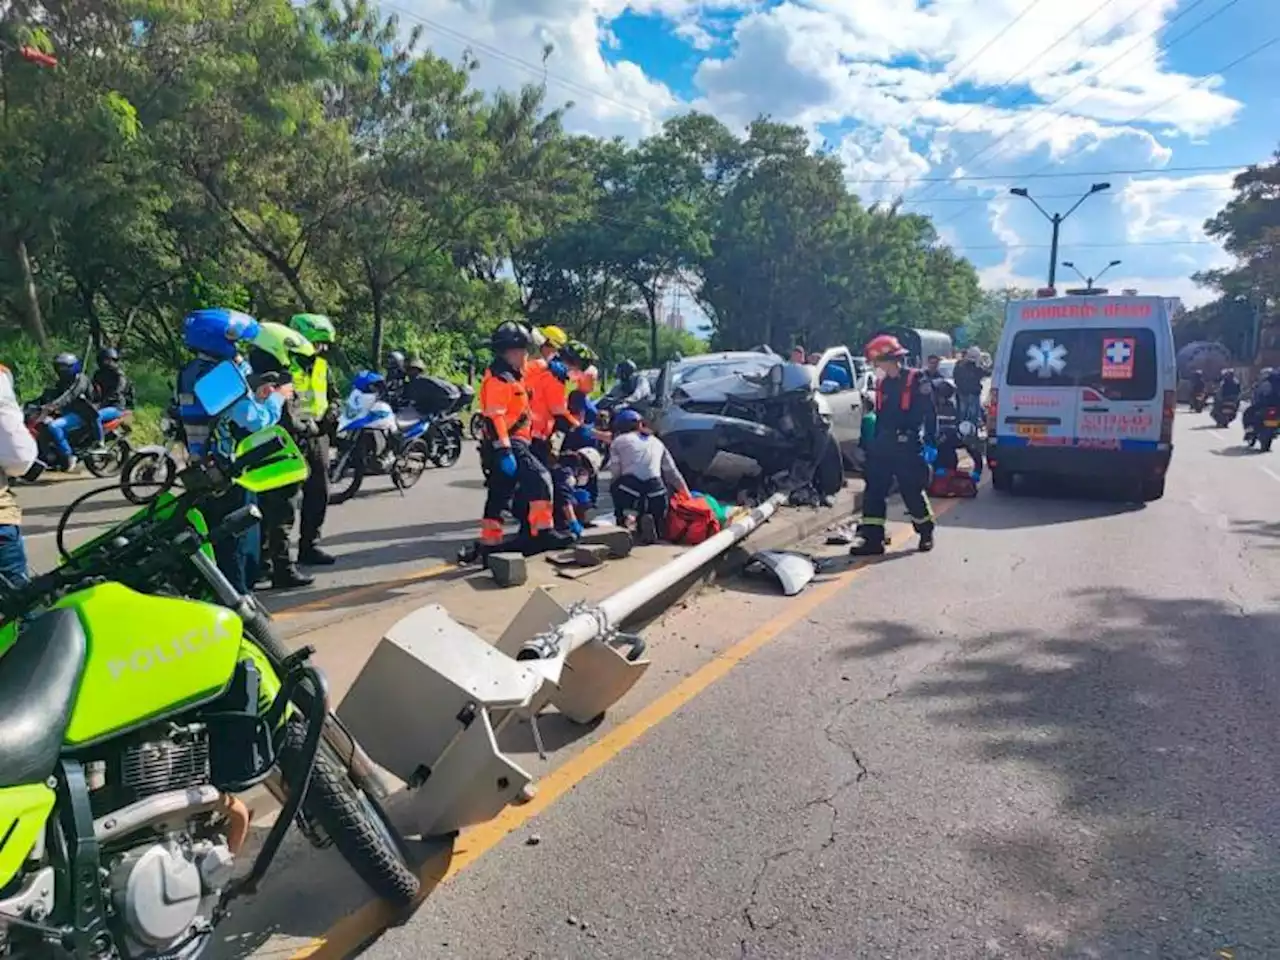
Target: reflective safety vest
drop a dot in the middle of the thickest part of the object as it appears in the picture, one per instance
(312, 388)
(908, 391)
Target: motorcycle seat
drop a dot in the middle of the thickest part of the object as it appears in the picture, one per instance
(39, 680)
(406, 419)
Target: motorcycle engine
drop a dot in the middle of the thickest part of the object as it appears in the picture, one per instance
(165, 893)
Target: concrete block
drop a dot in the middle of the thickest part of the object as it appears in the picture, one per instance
(591, 554)
(508, 569)
(618, 540)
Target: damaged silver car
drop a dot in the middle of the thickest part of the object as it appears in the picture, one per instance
(747, 425)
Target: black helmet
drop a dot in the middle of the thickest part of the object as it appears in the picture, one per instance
(625, 370)
(509, 336)
(108, 355)
(66, 364)
(395, 360)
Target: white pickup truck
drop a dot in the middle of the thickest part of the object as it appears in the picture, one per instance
(845, 382)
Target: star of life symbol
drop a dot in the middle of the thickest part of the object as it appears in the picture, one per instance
(1046, 358)
(1118, 352)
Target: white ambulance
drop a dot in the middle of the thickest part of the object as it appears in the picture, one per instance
(1084, 386)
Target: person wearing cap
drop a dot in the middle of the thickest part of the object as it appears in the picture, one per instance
(968, 376)
(645, 477)
(904, 445)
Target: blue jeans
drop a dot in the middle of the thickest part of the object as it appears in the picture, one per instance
(58, 429)
(13, 555)
(106, 415)
(969, 407)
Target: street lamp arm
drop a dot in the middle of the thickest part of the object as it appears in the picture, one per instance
(1072, 266)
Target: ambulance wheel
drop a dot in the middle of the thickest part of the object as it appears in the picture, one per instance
(1002, 480)
(1152, 489)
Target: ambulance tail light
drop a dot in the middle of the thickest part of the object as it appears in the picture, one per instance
(1166, 419)
(991, 411)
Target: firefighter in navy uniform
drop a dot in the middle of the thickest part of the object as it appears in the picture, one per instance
(904, 445)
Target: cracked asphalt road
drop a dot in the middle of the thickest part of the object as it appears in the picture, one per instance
(1055, 736)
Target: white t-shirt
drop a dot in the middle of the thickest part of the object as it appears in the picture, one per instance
(644, 457)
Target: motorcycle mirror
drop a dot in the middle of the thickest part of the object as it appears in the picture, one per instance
(221, 388)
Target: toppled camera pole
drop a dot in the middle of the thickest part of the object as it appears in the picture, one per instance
(432, 700)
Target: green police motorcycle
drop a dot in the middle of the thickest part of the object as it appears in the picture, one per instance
(132, 716)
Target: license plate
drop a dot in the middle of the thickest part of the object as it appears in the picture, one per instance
(1031, 430)
(1271, 423)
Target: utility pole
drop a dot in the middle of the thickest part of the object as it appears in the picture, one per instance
(1089, 281)
(1056, 220)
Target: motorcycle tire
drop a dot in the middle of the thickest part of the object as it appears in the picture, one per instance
(353, 819)
(411, 464)
(476, 426)
(152, 471)
(346, 459)
(444, 438)
(108, 463)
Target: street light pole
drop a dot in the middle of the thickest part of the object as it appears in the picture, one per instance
(1056, 220)
(1089, 281)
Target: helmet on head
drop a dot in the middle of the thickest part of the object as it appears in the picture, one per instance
(884, 347)
(973, 353)
(509, 335)
(66, 365)
(215, 331)
(1229, 372)
(626, 417)
(280, 342)
(554, 336)
(367, 381)
(416, 363)
(395, 360)
(108, 355)
(625, 370)
(316, 327)
(572, 353)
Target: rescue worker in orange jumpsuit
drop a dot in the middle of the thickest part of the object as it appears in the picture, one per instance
(514, 470)
(547, 378)
(904, 445)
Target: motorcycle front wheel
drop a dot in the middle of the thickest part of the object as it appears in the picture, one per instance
(410, 465)
(109, 462)
(146, 473)
(352, 818)
(444, 438)
(346, 473)
(476, 426)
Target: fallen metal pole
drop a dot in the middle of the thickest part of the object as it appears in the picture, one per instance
(589, 622)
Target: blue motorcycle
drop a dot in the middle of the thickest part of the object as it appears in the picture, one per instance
(372, 440)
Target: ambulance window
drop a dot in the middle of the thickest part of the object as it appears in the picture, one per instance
(1043, 358)
(1120, 364)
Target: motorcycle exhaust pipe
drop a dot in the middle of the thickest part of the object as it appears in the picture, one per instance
(163, 806)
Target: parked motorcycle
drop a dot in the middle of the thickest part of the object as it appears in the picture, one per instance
(371, 441)
(103, 459)
(1264, 429)
(130, 722)
(440, 424)
(1224, 411)
(155, 467)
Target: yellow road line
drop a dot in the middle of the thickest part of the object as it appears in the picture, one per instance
(339, 600)
(356, 929)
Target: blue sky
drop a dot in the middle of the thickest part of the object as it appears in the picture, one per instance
(982, 95)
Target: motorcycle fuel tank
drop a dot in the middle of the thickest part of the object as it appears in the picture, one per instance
(148, 657)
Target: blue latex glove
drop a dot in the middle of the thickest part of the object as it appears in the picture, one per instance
(975, 476)
(575, 527)
(507, 464)
(940, 472)
(582, 498)
(586, 433)
(558, 368)
(930, 453)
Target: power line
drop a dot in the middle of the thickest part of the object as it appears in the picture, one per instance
(1040, 173)
(1120, 245)
(1092, 75)
(1023, 69)
(1075, 196)
(1165, 48)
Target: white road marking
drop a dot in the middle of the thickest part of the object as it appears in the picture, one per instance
(1270, 473)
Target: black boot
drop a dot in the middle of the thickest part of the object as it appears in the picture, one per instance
(926, 540)
(868, 542)
(285, 576)
(312, 556)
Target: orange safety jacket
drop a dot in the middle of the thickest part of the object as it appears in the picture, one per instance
(505, 404)
(549, 400)
(908, 391)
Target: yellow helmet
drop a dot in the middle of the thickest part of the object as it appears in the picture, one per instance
(555, 336)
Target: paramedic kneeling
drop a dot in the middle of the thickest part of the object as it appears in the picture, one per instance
(646, 476)
(904, 445)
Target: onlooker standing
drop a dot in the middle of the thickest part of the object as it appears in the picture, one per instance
(969, 375)
(17, 454)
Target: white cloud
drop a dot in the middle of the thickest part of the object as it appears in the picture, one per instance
(885, 156)
(1173, 208)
